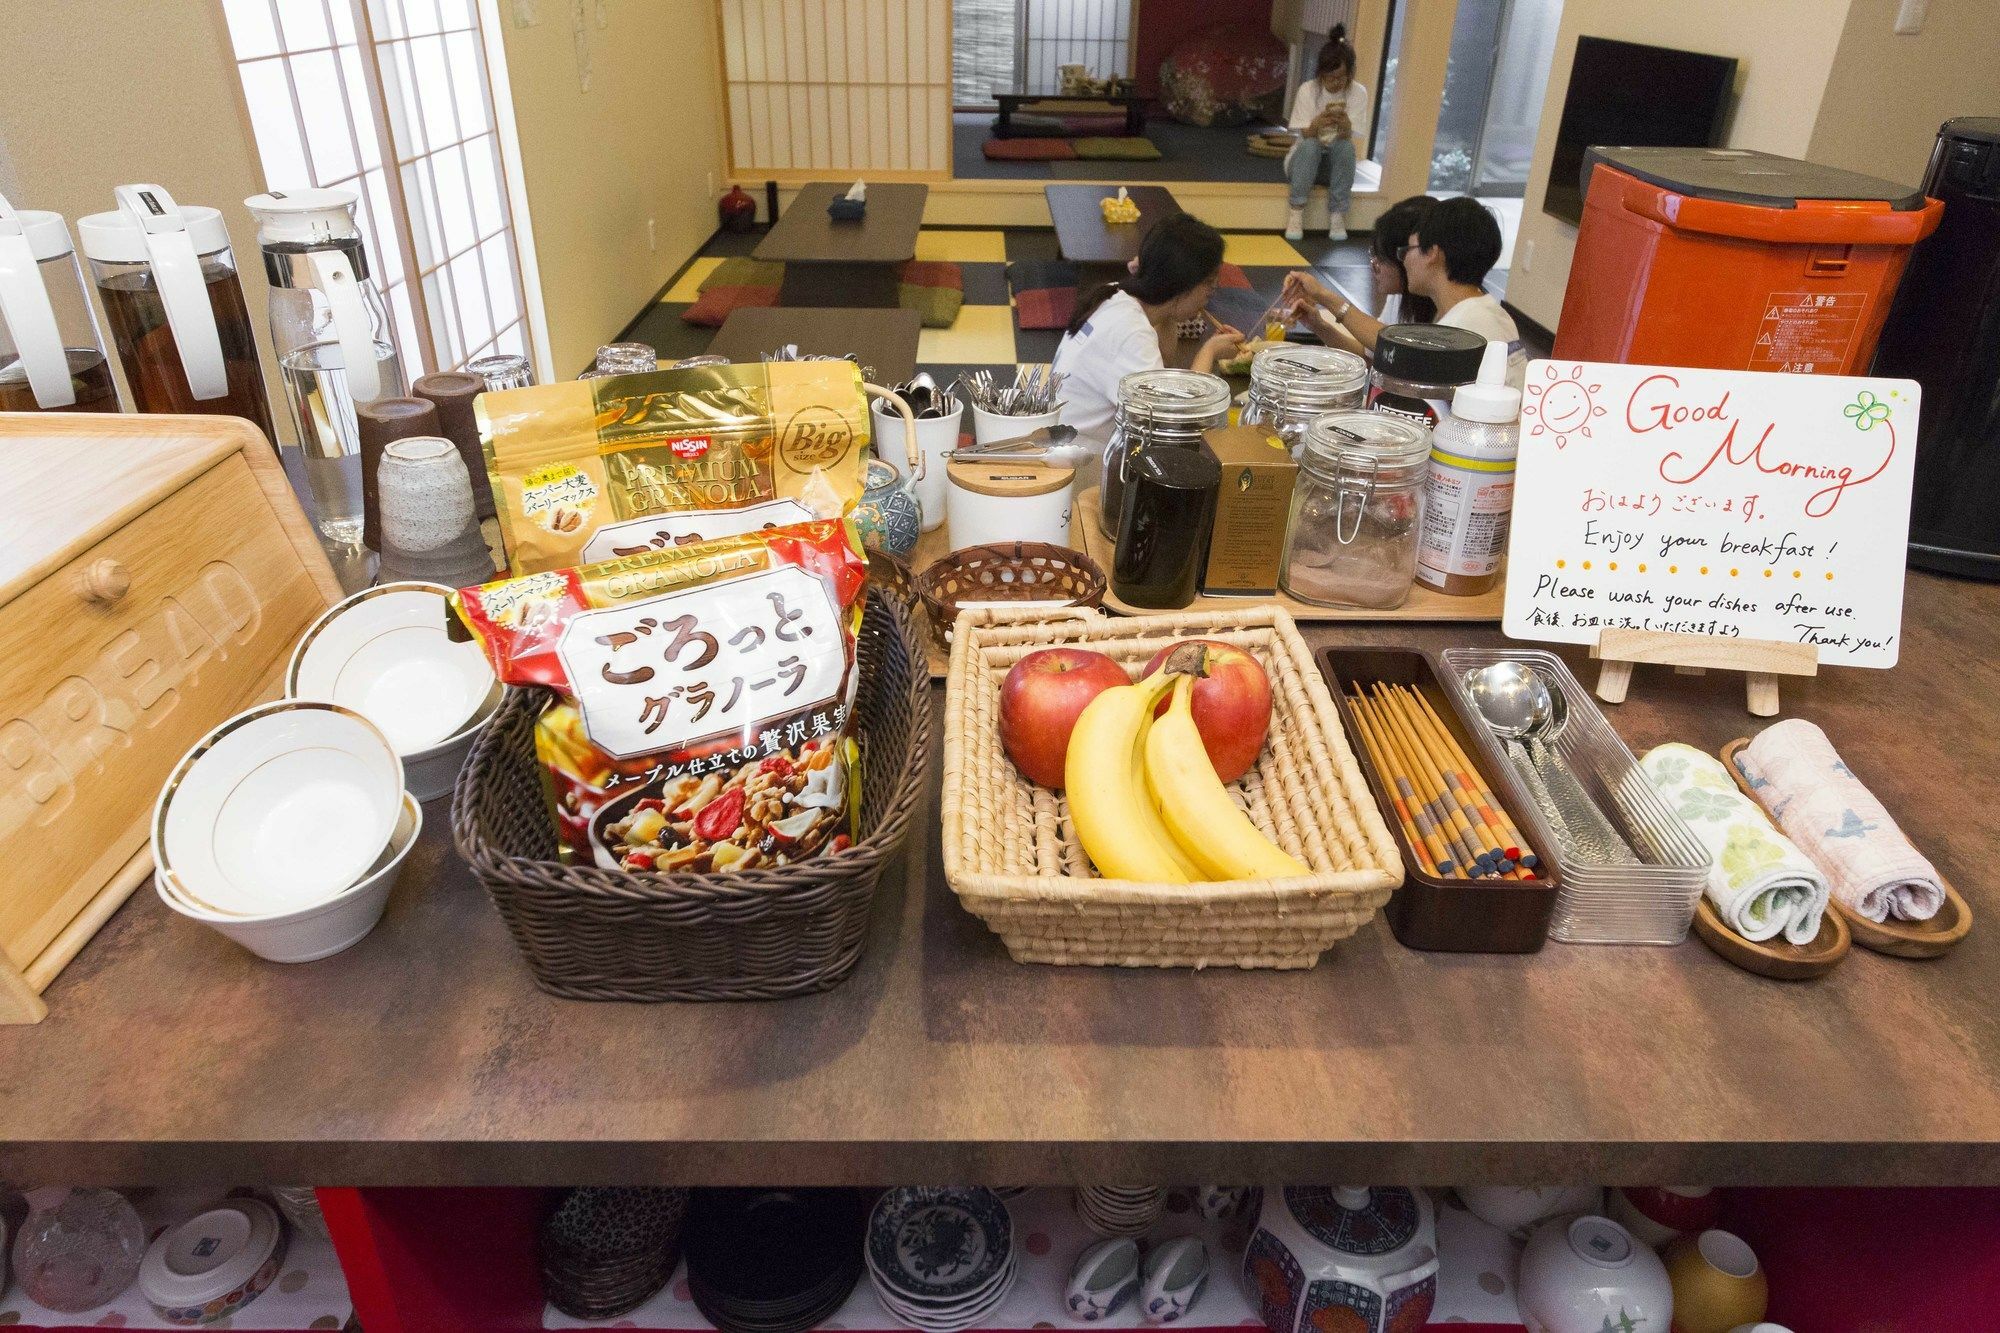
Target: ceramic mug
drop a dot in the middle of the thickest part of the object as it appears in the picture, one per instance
(1657, 1214)
(1718, 1283)
(1176, 1274)
(1105, 1277)
(1218, 1203)
(1760, 1328)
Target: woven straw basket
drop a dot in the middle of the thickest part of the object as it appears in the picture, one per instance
(1013, 859)
(593, 934)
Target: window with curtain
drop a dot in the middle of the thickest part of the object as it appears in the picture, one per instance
(392, 100)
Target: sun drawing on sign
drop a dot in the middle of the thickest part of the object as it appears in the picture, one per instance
(1564, 406)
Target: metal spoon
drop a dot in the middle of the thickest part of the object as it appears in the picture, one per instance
(1526, 715)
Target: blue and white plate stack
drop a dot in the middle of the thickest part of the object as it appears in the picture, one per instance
(941, 1258)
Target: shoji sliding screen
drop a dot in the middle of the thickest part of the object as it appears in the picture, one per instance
(838, 88)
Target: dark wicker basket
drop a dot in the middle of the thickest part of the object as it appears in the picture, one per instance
(1006, 572)
(594, 934)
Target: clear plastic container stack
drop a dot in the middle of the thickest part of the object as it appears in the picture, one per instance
(1604, 898)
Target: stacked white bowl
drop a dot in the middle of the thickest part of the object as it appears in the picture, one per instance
(1118, 1210)
(385, 653)
(284, 828)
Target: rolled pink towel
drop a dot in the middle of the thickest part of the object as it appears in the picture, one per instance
(1815, 798)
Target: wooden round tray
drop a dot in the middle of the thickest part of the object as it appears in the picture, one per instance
(1900, 939)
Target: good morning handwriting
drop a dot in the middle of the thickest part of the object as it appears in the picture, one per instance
(1655, 405)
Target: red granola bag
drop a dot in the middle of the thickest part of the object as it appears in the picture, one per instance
(704, 695)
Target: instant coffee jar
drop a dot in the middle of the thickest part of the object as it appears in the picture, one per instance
(1419, 366)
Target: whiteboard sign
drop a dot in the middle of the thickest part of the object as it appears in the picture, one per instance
(1728, 503)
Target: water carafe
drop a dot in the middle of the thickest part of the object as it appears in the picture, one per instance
(51, 354)
(167, 278)
(334, 350)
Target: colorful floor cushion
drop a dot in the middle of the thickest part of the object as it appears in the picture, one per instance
(1227, 74)
(736, 284)
(934, 289)
(1028, 150)
(1119, 148)
(1045, 291)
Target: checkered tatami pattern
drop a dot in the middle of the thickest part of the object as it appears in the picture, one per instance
(986, 332)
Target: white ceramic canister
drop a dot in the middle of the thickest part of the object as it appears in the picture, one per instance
(1001, 501)
(937, 437)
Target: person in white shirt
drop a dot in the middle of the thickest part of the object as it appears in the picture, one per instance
(1330, 115)
(1341, 323)
(1124, 327)
(1445, 259)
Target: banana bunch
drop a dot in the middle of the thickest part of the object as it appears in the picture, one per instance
(1146, 801)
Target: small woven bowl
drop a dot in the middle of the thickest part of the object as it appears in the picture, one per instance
(1006, 572)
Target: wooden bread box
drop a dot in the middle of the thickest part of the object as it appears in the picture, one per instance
(154, 574)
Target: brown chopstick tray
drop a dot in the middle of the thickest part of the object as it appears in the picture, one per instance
(1430, 911)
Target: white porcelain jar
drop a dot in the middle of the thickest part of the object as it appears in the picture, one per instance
(1007, 502)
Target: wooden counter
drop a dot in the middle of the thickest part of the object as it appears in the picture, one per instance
(425, 1055)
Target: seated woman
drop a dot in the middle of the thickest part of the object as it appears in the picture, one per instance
(1341, 323)
(1330, 115)
(1446, 258)
(1123, 327)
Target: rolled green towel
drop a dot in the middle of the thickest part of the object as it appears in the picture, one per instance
(1759, 882)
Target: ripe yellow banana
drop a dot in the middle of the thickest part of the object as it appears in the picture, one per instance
(1197, 810)
(1104, 778)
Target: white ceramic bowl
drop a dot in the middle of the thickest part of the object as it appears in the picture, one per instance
(384, 653)
(431, 773)
(278, 809)
(319, 931)
(1512, 1207)
(1577, 1273)
(215, 1263)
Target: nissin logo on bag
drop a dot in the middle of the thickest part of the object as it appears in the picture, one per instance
(690, 447)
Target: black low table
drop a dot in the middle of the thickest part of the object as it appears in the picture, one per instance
(1012, 100)
(885, 341)
(829, 263)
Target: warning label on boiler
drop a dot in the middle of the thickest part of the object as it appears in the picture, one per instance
(1807, 333)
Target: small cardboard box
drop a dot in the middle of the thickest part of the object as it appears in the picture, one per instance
(1248, 545)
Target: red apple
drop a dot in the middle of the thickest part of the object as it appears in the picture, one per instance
(1231, 704)
(1040, 700)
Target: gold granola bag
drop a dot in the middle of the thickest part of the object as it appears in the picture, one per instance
(603, 469)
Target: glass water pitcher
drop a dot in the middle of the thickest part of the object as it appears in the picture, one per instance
(167, 278)
(335, 351)
(51, 353)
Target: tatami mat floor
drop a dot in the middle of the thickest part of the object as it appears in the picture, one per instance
(987, 333)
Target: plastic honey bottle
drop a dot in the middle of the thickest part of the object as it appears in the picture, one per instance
(1469, 492)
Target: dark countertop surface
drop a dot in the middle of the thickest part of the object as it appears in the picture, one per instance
(426, 1055)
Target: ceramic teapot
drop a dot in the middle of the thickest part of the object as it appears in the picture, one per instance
(1343, 1259)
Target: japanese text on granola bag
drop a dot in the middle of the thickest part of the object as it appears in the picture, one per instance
(601, 469)
(705, 696)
